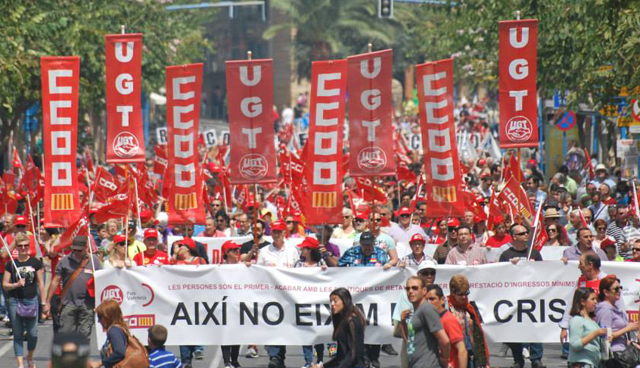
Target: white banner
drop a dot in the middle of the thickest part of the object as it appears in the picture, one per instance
(213, 305)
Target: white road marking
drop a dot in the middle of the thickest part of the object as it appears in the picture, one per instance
(5, 348)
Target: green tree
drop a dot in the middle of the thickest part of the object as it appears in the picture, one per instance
(34, 28)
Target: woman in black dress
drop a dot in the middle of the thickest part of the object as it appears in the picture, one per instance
(348, 331)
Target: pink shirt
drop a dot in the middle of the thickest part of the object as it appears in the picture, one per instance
(474, 255)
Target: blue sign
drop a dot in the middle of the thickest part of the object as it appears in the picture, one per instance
(567, 121)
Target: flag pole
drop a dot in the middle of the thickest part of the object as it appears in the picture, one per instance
(635, 199)
(536, 224)
(33, 227)
(4, 243)
(89, 237)
(255, 193)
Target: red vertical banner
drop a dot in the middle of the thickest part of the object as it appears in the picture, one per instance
(324, 147)
(443, 181)
(60, 85)
(125, 135)
(370, 114)
(250, 102)
(518, 69)
(184, 91)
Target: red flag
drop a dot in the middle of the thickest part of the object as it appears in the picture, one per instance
(518, 68)
(104, 185)
(31, 175)
(495, 210)
(324, 148)
(517, 199)
(250, 101)
(443, 181)
(541, 234)
(370, 191)
(17, 163)
(582, 219)
(77, 228)
(125, 135)
(60, 84)
(514, 167)
(370, 113)
(160, 162)
(589, 165)
(184, 86)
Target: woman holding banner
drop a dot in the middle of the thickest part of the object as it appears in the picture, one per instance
(348, 330)
(584, 333)
(23, 279)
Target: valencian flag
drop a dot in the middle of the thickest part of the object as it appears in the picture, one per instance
(370, 113)
(443, 181)
(323, 171)
(60, 85)
(125, 135)
(184, 177)
(518, 68)
(250, 103)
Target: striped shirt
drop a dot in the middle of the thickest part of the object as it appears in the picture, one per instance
(619, 234)
(160, 358)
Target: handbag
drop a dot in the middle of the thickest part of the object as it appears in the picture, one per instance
(27, 310)
(136, 355)
(629, 357)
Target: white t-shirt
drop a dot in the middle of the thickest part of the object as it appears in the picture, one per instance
(270, 256)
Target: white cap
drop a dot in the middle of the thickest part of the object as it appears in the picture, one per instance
(427, 263)
(162, 218)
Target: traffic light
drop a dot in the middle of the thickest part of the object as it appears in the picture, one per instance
(385, 8)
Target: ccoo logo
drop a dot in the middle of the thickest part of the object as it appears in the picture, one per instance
(112, 292)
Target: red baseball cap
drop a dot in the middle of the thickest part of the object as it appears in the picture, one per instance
(145, 215)
(20, 221)
(119, 238)
(151, 233)
(189, 243)
(229, 245)
(361, 215)
(453, 222)
(279, 225)
(309, 242)
(607, 242)
(417, 237)
(404, 211)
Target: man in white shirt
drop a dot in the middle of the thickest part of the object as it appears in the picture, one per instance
(403, 230)
(277, 254)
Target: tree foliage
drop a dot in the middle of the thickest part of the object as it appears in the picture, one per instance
(30, 29)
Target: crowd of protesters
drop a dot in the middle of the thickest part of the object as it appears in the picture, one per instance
(593, 215)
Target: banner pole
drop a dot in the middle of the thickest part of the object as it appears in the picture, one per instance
(373, 208)
(135, 182)
(635, 199)
(517, 14)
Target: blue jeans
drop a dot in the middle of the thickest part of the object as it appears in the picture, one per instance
(535, 351)
(278, 351)
(308, 353)
(20, 325)
(186, 352)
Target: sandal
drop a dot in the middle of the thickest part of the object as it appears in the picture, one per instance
(31, 364)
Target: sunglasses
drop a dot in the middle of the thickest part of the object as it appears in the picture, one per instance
(346, 217)
(120, 244)
(377, 220)
(635, 249)
(616, 289)
(461, 294)
(289, 222)
(22, 245)
(405, 216)
(216, 205)
(414, 288)
(427, 273)
(552, 230)
(522, 233)
(452, 229)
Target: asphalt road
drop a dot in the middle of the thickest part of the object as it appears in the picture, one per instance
(213, 356)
